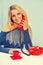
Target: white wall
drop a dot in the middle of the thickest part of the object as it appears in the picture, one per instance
(34, 10)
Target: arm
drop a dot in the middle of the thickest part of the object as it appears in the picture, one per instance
(2, 49)
(5, 50)
(27, 34)
(27, 39)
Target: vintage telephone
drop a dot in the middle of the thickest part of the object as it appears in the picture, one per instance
(35, 50)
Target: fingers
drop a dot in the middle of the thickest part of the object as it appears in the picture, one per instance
(11, 51)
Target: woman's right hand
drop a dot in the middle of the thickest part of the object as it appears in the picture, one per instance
(11, 51)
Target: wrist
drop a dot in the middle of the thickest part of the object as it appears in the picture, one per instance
(25, 28)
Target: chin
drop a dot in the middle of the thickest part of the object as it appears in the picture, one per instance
(19, 22)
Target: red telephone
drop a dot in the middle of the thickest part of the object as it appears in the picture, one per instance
(20, 26)
(35, 50)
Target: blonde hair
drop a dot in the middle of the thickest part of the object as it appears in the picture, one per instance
(21, 10)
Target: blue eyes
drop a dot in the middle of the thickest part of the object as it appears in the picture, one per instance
(15, 15)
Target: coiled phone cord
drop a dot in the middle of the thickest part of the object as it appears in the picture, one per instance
(21, 46)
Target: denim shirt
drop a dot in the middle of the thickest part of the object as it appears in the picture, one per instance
(14, 39)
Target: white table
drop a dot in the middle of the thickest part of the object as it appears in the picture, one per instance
(27, 60)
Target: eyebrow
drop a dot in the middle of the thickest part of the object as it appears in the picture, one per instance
(15, 15)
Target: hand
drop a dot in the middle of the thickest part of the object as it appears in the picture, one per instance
(11, 51)
(25, 25)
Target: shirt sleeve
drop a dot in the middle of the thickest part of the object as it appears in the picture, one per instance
(27, 39)
(2, 49)
(5, 50)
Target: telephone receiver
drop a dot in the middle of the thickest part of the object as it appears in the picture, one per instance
(20, 26)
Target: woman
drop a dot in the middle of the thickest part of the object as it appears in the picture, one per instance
(11, 36)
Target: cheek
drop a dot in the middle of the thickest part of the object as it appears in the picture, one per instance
(13, 18)
(20, 17)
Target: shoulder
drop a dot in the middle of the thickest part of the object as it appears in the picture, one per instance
(1, 35)
(6, 28)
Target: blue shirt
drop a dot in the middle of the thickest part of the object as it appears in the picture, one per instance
(14, 39)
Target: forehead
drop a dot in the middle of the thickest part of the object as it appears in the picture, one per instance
(14, 11)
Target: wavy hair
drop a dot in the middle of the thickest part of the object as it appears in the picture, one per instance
(21, 10)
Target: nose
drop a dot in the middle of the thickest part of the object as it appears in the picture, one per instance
(16, 17)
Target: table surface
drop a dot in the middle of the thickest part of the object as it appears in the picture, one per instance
(26, 60)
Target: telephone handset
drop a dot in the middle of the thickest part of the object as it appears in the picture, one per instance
(20, 26)
(23, 17)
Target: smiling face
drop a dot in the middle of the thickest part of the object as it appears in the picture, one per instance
(16, 16)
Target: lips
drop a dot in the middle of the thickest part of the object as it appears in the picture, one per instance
(18, 20)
